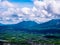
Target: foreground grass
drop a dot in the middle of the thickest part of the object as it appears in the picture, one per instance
(27, 38)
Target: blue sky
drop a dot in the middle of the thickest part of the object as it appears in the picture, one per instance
(30, 1)
(23, 3)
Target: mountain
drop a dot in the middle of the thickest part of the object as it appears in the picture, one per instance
(55, 23)
(32, 27)
(26, 24)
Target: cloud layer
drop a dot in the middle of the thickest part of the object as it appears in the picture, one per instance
(42, 11)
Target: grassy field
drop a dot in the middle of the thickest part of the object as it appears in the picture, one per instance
(22, 37)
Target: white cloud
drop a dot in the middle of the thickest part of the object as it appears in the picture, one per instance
(48, 7)
(42, 11)
(42, 20)
(25, 10)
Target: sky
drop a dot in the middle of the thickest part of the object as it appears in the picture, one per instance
(30, 1)
(26, 3)
(39, 11)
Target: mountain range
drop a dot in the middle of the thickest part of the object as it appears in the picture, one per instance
(52, 26)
